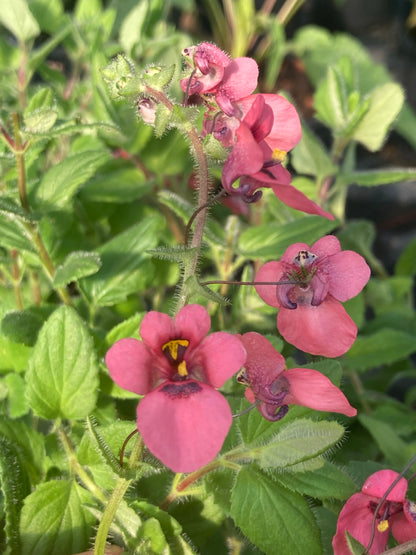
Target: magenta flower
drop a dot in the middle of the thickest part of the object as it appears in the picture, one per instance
(183, 419)
(396, 515)
(274, 388)
(270, 127)
(311, 316)
(214, 73)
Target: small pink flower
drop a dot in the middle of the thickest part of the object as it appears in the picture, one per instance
(274, 388)
(396, 515)
(270, 127)
(311, 316)
(214, 73)
(183, 419)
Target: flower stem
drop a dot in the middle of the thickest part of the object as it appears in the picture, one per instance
(78, 468)
(201, 163)
(119, 491)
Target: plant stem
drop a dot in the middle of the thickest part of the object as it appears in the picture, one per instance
(203, 190)
(288, 10)
(16, 279)
(119, 491)
(19, 150)
(78, 468)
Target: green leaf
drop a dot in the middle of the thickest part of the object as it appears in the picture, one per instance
(326, 482)
(162, 119)
(292, 528)
(371, 178)
(125, 265)
(62, 379)
(14, 488)
(406, 264)
(18, 19)
(397, 451)
(15, 235)
(55, 520)
(76, 265)
(383, 347)
(386, 101)
(18, 405)
(40, 114)
(116, 182)
(331, 100)
(22, 326)
(300, 440)
(269, 241)
(62, 180)
(127, 328)
(311, 158)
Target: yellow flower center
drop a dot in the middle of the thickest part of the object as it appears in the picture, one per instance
(383, 525)
(175, 351)
(279, 155)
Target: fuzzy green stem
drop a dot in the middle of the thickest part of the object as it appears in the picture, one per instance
(16, 279)
(119, 491)
(401, 549)
(288, 10)
(78, 468)
(203, 190)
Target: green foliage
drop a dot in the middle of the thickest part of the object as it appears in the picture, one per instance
(62, 376)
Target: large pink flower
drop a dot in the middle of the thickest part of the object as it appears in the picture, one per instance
(311, 316)
(274, 388)
(214, 73)
(270, 127)
(396, 515)
(183, 418)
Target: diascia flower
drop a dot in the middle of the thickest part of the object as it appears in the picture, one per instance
(396, 515)
(268, 129)
(311, 316)
(274, 388)
(216, 74)
(183, 419)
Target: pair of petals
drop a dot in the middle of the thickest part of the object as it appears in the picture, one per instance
(304, 386)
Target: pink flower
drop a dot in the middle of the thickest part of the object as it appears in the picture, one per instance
(183, 418)
(311, 316)
(214, 73)
(270, 127)
(396, 514)
(274, 388)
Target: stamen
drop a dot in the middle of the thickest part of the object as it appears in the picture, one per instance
(383, 525)
(175, 348)
(182, 371)
(279, 155)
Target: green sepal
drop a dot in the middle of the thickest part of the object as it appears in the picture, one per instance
(121, 79)
(14, 487)
(162, 119)
(214, 149)
(158, 77)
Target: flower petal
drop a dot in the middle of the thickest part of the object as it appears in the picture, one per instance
(184, 424)
(403, 525)
(310, 388)
(296, 199)
(348, 273)
(378, 483)
(357, 517)
(246, 158)
(157, 329)
(193, 323)
(325, 330)
(269, 272)
(239, 80)
(326, 246)
(219, 356)
(264, 364)
(130, 365)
